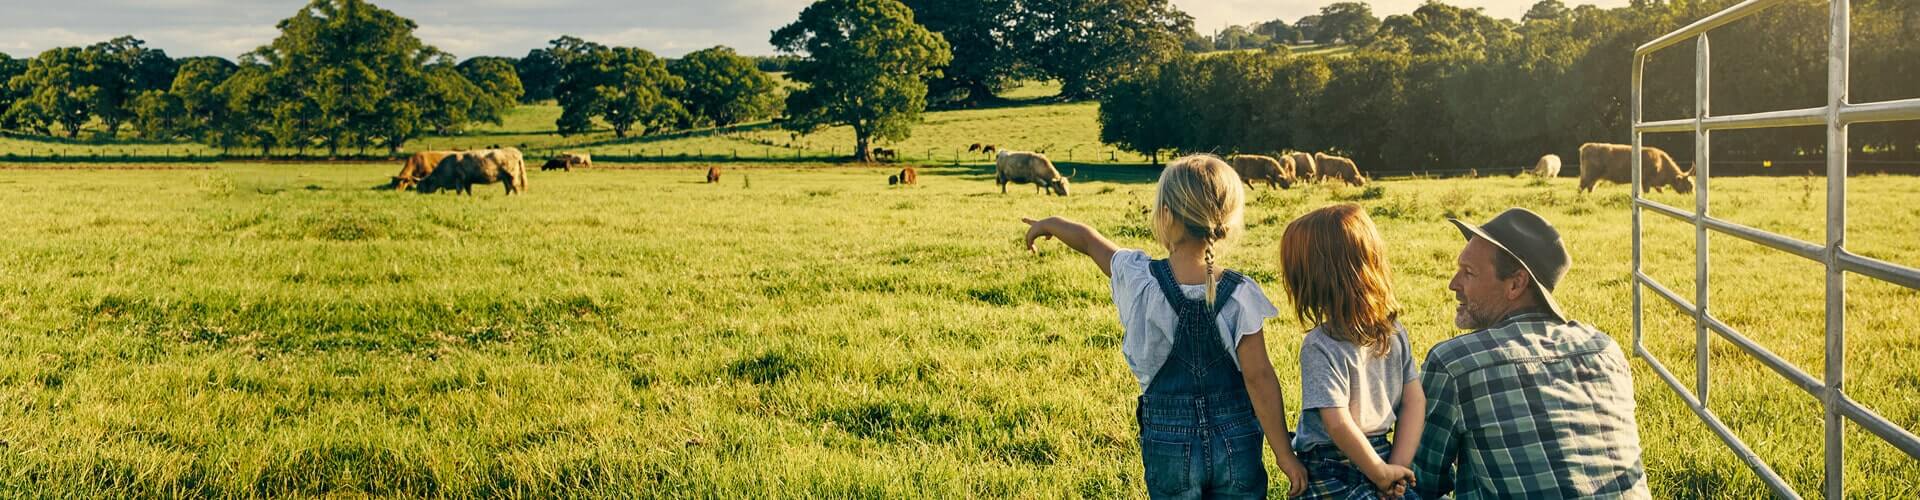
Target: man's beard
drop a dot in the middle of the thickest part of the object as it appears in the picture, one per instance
(1465, 317)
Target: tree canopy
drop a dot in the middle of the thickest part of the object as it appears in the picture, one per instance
(872, 79)
(723, 88)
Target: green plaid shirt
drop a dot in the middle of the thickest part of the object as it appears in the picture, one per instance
(1532, 407)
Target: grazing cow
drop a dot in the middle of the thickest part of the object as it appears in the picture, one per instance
(460, 171)
(982, 148)
(417, 168)
(555, 164)
(1614, 162)
(1339, 168)
(1304, 168)
(713, 174)
(1278, 173)
(1548, 166)
(582, 160)
(893, 180)
(1024, 167)
(884, 154)
(909, 177)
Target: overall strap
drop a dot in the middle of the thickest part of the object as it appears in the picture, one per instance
(1163, 276)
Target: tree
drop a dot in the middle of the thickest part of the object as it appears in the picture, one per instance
(202, 107)
(1309, 28)
(9, 68)
(540, 70)
(1278, 31)
(623, 86)
(122, 70)
(723, 88)
(987, 37)
(1437, 28)
(1090, 44)
(339, 75)
(1546, 10)
(55, 90)
(1240, 37)
(159, 116)
(498, 83)
(1349, 22)
(872, 79)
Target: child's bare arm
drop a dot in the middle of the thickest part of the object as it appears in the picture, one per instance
(1080, 237)
(1352, 443)
(1412, 421)
(1263, 387)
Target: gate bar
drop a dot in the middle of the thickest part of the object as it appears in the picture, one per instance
(1885, 111)
(1720, 429)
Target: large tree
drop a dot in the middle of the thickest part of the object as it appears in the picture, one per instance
(339, 74)
(540, 69)
(9, 68)
(55, 90)
(724, 88)
(499, 84)
(1090, 44)
(122, 70)
(1348, 22)
(873, 79)
(987, 38)
(622, 86)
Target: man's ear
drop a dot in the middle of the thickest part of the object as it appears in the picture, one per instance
(1518, 286)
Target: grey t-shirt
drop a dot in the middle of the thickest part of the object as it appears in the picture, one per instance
(1335, 373)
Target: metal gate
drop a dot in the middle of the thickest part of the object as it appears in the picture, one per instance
(1836, 116)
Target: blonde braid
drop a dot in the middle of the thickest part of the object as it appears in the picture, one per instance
(1209, 274)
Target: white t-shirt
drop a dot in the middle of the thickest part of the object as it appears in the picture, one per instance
(1149, 320)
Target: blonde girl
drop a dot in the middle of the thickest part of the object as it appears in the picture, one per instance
(1209, 397)
(1357, 380)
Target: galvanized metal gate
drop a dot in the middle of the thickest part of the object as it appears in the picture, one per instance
(1836, 116)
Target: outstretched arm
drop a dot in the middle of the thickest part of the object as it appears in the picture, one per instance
(1080, 237)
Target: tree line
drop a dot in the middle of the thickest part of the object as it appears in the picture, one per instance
(1445, 87)
(344, 74)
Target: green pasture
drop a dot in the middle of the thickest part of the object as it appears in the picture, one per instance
(792, 331)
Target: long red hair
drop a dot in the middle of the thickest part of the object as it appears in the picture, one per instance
(1336, 270)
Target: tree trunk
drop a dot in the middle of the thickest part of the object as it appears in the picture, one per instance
(863, 139)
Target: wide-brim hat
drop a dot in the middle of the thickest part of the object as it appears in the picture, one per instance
(1532, 241)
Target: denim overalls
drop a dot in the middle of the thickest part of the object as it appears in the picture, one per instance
(1198, 434)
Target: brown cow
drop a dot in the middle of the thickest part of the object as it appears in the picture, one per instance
(1024, 167)
(417, 168)
(460, 171)
(1304, 168)
(1335, 167)
(1614, 162)
(1277, 172)
(909, 177)
(884, 154)
(555, 164)
(713, 174)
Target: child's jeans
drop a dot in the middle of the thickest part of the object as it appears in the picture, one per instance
(1204, 448)
(1331, 475)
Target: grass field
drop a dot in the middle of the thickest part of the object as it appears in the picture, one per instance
(257, 330)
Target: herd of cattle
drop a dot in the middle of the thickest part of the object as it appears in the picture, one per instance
(458, 171)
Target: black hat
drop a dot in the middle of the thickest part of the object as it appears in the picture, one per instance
(1532, 241)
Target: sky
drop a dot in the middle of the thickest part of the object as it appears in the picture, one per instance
(470, 28)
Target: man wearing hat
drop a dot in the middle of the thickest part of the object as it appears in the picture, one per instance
(1529, 404)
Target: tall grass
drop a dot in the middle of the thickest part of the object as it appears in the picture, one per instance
(289, 331)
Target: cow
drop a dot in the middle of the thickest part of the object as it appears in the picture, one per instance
(1304, 168)
(1335, 167)
(417, 168)
(1547, 167)
(582, 160)
(884, 154)
(460, 171)
(713, 174)
(555, 164)
(893, 180)
(1277, 172)
(909, 176)
(1614, 162)
(982, 148)
(1024, 167)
